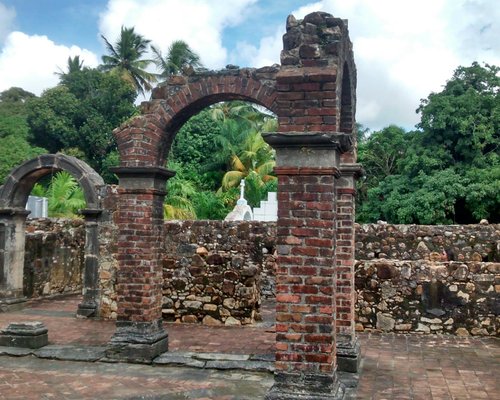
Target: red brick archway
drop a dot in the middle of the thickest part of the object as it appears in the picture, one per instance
(313, 94)
(147, 139)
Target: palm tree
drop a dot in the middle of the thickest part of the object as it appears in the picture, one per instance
(241, 111)
(256, 160)
(180, 190)
(180, 57)
(74, 65)
(126, 59)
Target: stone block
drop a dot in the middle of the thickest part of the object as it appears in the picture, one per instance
(30, 334)
(348, 357)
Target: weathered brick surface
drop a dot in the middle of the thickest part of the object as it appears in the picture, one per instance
(139, 279)
(305, 310)
(146, 139)
(345, 296)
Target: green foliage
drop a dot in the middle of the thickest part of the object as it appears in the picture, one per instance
(464, 118)
(194, 148)
(74, 65)
(51, 119)
(15, 150)
(216, 149)
(210, 205)
(126, 59)
(15, 95)
(81, 113)
(180, 190)
(180, 57)
(65, 196)
(13, 112)
(256, 189)
(447, 172)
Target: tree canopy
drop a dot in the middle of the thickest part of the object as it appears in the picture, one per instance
(447, 171)
(81, 113)
(126, 59)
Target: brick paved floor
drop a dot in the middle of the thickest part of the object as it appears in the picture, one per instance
(393, 366)
(58, 317)
(30, 378)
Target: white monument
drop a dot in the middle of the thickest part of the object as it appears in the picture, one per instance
(242, 211)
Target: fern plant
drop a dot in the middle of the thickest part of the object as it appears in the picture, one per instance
(65, 196)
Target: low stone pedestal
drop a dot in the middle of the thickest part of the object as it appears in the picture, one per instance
(86, 309)
(348, 356)
(12, 303)
(289, 386)
(30, 334)
(138, 342)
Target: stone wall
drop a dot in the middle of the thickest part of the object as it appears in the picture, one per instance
(213, 271)
(428, 242)
(428, 279)
(54, 256)
(428, 296)
(408, 277)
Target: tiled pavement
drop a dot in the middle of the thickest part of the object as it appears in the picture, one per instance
(393, 366)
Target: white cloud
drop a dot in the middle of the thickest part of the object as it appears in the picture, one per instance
(30, 61)
(198, 22)
(7, 17)
(403, 49)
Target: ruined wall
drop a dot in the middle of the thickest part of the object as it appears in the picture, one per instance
(54, 257)
(428, 279)
(408, 277)
(213, 270)
(428, 242)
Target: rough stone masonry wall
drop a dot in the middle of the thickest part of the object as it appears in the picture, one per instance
(428, 279)
(408, 277)
(54, 256)
(212, 270)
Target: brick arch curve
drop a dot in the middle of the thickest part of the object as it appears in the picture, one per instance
(146, 140)
(14, 193)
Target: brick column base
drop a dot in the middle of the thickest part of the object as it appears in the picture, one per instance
(348, 355)
(290, 386)
(140, 335)
(138, 341)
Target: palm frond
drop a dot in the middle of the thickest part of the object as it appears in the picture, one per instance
(232, 179)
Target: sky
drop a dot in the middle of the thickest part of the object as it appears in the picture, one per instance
(403, 49)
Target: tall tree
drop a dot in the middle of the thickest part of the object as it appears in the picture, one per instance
(81, 114)
(74, 65)
(179, 58)
(449, 170)
(126, 58)
(464, 118)
(13, 112)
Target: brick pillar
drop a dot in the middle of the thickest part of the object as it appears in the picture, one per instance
(305, 277)
(12, 241)
(89, 306)
(140, 335)
(348, 351)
